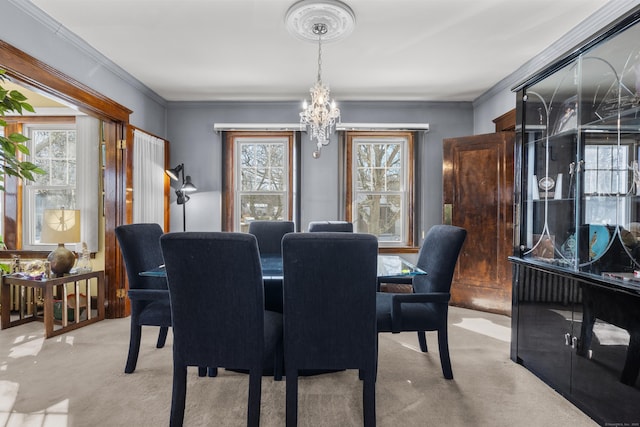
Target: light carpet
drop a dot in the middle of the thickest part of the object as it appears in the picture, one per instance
(77, 380)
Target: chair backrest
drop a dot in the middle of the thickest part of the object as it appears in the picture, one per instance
(217, 308)
(438, 256)
(329, 299)
(343, 226)
(269, 235)
(140, 247)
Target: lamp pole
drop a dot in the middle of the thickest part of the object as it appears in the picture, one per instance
(184, 205)
(177, 174)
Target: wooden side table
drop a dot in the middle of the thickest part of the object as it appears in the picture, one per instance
(81, 283)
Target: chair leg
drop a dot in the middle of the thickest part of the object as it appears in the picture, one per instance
(255, 388)
(292, 397)
(178, 396)
(443, 347)
(278, 362)
(162, 336)
(422, 339)
(134, 348)
(207, 371)
(369, 398)
(375, 369)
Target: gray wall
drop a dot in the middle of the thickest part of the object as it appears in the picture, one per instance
(194, 143)
(30, 30)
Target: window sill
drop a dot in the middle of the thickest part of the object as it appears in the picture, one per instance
(398, 250)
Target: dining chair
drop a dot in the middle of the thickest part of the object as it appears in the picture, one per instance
(215, 285)
(269, 235)
(426, 309)
(344, 226)
(329, 310)
(140, 247)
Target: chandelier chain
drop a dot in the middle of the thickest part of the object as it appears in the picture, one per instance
(320, 58)
(321, 114)
(319, 29)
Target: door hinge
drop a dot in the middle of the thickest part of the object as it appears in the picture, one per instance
(121, 293)
(122, 144)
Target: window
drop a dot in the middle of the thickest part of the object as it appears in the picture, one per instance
(606, 173)
(258, 178)
(380, 186)
(52, 148)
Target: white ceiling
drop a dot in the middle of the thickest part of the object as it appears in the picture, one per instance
(430, 50)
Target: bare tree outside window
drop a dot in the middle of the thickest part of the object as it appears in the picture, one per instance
(379, 198)
(263, 178)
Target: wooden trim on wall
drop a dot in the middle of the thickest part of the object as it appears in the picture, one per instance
(45, 79)
(167, 187)
(506, 122)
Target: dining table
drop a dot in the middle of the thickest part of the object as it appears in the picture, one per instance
(389, 267)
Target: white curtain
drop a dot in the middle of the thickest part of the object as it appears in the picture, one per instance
(88, 172)
(148, 178)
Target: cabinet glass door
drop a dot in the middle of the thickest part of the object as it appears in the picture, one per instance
(549, 151)
(608, 157)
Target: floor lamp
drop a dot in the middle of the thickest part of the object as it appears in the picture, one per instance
(187, 186)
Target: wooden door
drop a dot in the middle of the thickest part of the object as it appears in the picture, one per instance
(478, 196)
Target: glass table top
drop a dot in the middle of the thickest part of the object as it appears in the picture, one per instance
(388, 266)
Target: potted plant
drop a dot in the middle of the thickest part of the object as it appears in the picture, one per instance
(12, 101)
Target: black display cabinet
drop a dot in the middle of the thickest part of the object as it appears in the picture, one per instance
(576, 282)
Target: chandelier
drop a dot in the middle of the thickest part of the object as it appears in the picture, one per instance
(321, 114)
(328, 21)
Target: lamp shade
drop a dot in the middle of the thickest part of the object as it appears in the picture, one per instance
(188, 186)
(175, 172)
(60, 226)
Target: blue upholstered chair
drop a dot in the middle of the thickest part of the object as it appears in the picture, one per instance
(140, 247)
(215, 285)
(329, 310)
(269, 235)
(426, 309)
(344, 226)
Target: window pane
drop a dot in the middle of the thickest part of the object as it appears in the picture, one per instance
(380, 215)
(262, 207)
(379, 185)
(54, 150)
(51, 199)
(262, 180)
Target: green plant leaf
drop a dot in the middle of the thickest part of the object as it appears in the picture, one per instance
(11, 146)
(17, 96)
(23, 149)
(18, 138)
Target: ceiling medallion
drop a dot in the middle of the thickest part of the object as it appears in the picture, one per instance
(335, 15)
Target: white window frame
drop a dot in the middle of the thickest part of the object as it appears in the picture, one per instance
(29, 189)
(406, 141)
(232, 212)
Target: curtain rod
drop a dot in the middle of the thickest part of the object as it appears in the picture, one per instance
(221, 127)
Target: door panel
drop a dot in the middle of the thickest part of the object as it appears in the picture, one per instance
(478, 194)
